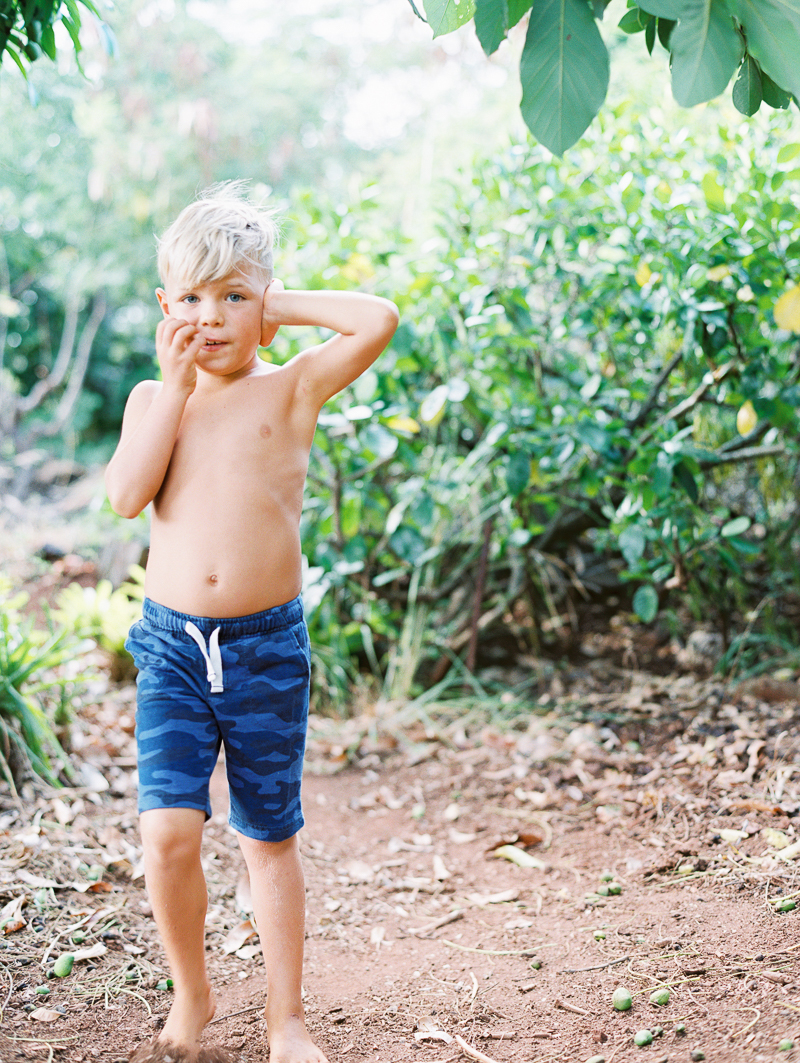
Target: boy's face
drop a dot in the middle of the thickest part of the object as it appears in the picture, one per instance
(227, 312)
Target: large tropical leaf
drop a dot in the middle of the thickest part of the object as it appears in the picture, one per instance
(706, 51)
(491, 23)
(772, 28)
(564, 72)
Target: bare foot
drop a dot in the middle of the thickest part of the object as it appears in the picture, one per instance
(289, 1042)
(189, 1014)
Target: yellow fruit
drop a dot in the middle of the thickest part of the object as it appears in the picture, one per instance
(787, 310)
(746, 418)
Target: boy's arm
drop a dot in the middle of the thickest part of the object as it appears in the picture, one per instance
(151, 421)
(364, 323)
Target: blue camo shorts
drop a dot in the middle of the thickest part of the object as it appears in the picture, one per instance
(241, 681)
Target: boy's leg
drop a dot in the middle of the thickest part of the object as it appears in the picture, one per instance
(278, 896)
(171, 838)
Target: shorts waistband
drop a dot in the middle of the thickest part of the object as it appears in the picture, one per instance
(230, 627)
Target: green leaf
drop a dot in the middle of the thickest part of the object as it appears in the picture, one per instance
(706, 49)
(683, 474)
(444, 16)
(746, 93)
(665, 28)
(645, 603)
(735, 527)
(634, 20)
(491, 23)
(713, 191)
(788, 152)
(632, 543)
(672, 9)
(772, 29)
(773, 94)
(518, 473)
(564, 72)
(516, 9)
(650, 33)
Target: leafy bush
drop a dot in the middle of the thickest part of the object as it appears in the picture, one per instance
(105, 615)
(576, 351)
(30, 660)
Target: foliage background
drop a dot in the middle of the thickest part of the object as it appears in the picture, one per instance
(555, 425)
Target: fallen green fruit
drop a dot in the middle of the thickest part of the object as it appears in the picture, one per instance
(621, 999)
(79, 937)
(642, 1038)
(697, 1054)
(599, 935)
(606, 877)
(786, 905)
(660, 996)
(614, 889)
(43, 990)
(165, 983)
(63, 965)
(680, 1028)
(658, 1031)
(786, 1045)
(536, 964)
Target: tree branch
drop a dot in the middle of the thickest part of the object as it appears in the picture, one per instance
(68, 400)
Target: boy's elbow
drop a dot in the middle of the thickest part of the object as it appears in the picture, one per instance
(122, 504)
(390, 318)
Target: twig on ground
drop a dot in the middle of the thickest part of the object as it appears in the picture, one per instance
(233, 1014)
(491, 952)
(752, 1022)
(597, 966)
(429, 927)
(473, 1053)
(559, 1003)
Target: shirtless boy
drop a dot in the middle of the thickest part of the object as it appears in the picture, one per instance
(220, 447)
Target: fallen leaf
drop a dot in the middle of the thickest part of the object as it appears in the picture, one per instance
(440, 872)
(357, 871)
(729, 835)
(519, 856)
(776, 838)
(790, 852)
(45, 1015)
(93, 952)
(459, 837)
(248, 952)
(493, 898)
(428, 1030)
(238, 936)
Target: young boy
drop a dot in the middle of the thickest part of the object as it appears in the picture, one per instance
(220, 447)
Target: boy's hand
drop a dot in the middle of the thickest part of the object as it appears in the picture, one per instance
(269, 327)
(177, 345)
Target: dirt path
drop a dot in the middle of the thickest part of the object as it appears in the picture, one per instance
(424, 944)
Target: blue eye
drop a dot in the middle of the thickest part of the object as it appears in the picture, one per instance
(236, 297)
(191, 299)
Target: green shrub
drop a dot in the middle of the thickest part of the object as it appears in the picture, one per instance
(105, 615)
(30, 684)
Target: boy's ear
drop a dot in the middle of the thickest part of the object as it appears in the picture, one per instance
(161, 295)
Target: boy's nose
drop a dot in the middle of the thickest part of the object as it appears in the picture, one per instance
(210, 314)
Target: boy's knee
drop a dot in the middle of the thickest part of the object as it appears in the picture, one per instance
(265, 850)
(172, 835)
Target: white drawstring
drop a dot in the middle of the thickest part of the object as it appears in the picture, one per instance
(213, 657)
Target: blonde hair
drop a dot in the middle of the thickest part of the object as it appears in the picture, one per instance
(217, 234)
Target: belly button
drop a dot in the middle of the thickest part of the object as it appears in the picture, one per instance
(213, 578)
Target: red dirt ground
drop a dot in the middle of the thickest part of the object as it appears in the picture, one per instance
(422, 943)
